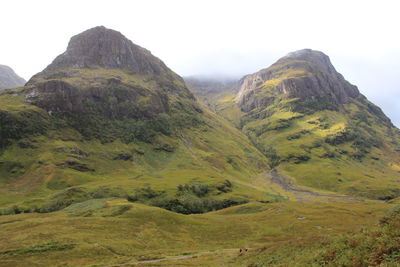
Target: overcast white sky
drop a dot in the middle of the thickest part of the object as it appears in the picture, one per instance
(222, 37)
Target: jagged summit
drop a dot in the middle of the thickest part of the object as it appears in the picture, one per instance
(100, 47)
(9, 79)
(304, 74)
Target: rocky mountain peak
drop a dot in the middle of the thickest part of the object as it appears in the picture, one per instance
(100, 47)
(103, 74)
(305, 74)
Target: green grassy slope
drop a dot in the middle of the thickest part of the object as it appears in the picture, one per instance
(347, 150)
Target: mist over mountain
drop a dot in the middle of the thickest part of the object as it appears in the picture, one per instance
(381, 87)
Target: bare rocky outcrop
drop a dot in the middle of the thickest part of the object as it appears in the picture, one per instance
(9, 79)
(304, 74)
(61, 96)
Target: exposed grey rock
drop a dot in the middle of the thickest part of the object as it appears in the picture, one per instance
(60, 96)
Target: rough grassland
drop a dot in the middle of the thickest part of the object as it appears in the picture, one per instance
(101, 232)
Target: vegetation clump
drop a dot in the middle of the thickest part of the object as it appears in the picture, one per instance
(15, 126)
(273, 157)
(309, 106)
(189, 198)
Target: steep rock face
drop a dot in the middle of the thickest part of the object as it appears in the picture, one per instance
(61, 96)
(9, 79)
(304, 74)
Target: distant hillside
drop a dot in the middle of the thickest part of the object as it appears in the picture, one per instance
(9, 79)
(218, 94)
(215, 87)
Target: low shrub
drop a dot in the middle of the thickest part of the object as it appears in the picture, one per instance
(193, 205)
(189, 198)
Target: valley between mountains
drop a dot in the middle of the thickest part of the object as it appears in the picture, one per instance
(109, 158)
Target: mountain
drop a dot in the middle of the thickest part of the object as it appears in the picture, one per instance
(102, 80)
(107, 118)
(316, 128)
(107, 158)
(9, 79)
(304, 74)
